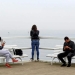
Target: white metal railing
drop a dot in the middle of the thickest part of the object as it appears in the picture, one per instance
(41, 37)
(25, 48)
(10, 47)
(27, 37)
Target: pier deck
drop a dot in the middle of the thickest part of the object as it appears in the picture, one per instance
(37, 68)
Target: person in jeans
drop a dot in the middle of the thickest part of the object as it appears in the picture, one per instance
(6, 53)
(34, 33)
(68, 51)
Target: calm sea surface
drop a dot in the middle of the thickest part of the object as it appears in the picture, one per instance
(43, 42)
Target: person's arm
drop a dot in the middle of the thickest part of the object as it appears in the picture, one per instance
(1, 47)
(64, 46)
(30, 33)
(38, 32)
(72, 48)
(2, 44)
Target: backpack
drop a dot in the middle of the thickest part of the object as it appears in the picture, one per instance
(18, 52)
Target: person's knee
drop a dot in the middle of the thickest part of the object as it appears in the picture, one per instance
(7, 55)
(68, 56)
(59, 56)
(38, 53)
(32, 52)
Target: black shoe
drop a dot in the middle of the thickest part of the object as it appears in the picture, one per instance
(68, 65)
(37, 59)
(63, 65)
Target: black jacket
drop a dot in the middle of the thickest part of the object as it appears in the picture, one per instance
(1, 47)
(34, 34)
(71, 44)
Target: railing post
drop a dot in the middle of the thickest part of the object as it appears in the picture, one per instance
(35, 54)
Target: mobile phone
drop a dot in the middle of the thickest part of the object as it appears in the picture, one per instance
(4, 42)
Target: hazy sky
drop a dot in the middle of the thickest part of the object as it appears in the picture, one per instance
(46, 14)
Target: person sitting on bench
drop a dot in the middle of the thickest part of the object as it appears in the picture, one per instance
(6, 53)
(69, 51)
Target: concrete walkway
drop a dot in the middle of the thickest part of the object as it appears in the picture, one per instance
(37, 68)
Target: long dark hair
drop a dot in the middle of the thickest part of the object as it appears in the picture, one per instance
(34, 27)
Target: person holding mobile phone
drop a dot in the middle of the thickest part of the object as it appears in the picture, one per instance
(68, 51)
(6, 53)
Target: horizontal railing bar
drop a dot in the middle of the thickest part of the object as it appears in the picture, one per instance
(46, 48)
(24, 48)
(41, 37)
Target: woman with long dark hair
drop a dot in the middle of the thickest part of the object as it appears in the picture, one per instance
(34, 33)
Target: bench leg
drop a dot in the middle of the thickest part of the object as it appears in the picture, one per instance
(52, 61)
(3, 61)
(21, 60)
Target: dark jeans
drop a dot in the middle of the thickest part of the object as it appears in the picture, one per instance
(35, 46)
(64, 54)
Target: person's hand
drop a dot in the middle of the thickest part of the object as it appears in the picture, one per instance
(3, 43)
(67, 47)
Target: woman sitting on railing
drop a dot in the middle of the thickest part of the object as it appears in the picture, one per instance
(6, 53)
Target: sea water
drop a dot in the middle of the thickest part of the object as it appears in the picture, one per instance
(21, 42)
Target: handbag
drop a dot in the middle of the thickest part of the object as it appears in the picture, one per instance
(18, 52)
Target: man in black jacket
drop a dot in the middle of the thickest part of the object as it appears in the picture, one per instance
(68, 51)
